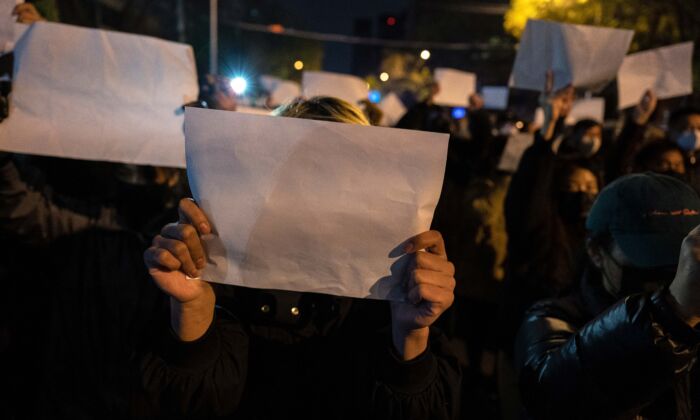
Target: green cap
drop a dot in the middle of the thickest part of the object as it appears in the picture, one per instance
(648, 216)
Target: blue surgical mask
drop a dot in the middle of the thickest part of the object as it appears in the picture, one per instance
(689, 140)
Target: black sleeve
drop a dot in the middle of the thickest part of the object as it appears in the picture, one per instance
(620, 159)
(424, 388)
(200, 379)
(529, 207)
(611, 368)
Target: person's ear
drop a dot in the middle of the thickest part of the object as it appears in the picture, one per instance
(594, 253)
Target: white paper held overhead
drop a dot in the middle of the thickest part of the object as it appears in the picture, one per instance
(99, 95)
(308, 205)
(581, 55)
(495, 97)
(7, 25)
(668, 71)
(280, 91)
(587, 109)
(456, 87)
(392, 109)
(515, 148)
(344, 86)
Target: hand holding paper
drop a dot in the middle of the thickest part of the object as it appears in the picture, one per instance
(455, 87)
(579, 55)
(99, 95)
(177, 253)
(667, 71)
(310, 205)
(645, 108)
(430, 288)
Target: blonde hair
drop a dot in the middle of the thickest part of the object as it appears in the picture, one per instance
(323, 108)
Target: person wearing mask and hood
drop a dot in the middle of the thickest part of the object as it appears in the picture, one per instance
(684, 130)
(662, 157)
(676, 155)
(224, 351)
(546, 205)
(583, 141)
(624, 343)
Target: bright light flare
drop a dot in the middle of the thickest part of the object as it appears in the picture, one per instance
(459, 113)
(239, 85)
(375, 96)
(384, 76)
(425, 54)
(298, 65)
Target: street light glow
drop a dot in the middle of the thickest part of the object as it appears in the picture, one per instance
(425, 54)
(298, 65)
(239, 85)
(384, 76)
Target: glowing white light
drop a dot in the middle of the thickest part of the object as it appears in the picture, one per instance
(239, 85)
(425, 54)
(384, 76)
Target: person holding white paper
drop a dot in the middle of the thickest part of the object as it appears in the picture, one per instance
(548, 199)
(676, 155)
(426, 115)
(251, 353)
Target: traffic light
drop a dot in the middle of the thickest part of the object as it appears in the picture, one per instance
(391, 26)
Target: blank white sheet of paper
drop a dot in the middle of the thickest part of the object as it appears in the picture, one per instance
(99, 95)
(587, 109)
(495, 97)
(581, 55)
(344, 86)
(280, 91)
(516, 146)
(392, 109)
(456, 87)
(311, 206)
(668, 71)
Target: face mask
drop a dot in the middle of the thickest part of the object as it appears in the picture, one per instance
(574, 206)
(674, 174)
(579, 147)
(640, 280)
(589, 146)
(689, 141)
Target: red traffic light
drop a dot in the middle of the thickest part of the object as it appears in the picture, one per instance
(391, 21)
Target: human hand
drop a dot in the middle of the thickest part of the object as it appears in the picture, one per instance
(685, 288)
(476, 102)
(645, 108)
(430, 288)
(555, 105)
(177, 252)
(27, 13)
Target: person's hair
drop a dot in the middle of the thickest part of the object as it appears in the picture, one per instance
(323, 108)
(653, 151)
(566, 168)
(584, 125)
(676, 120)
(567, 149)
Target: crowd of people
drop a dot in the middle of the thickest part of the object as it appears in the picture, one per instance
(569, 288)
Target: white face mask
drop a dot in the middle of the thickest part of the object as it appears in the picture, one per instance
(689, 140)
(590, 145)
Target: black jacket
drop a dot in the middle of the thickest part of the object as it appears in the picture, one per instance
(543, 253)
(586, 356)
(332, 360)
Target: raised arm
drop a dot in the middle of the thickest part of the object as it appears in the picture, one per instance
(198, 367)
